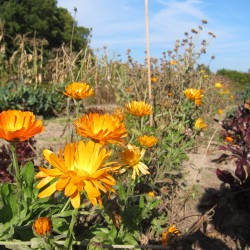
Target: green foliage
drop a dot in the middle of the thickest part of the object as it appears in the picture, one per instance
(42, 100)
(41, 19)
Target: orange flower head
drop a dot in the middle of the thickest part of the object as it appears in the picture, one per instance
(79, 168)
(101, 128)
(229, 139)
(194, 95)
(171, 232)
(131, 157)
(16, 125)
(173, 62)
(200, 124)
(139, 108)
(147, 141)
(154, 79)
(42, 226)
(78, 90)
(119, 113)
(220, 111)
(151, 193)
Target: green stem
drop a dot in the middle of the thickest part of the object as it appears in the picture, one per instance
(70, 236)
(15, 165)
(66, 205)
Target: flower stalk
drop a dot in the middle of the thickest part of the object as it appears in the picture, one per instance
(70, 235)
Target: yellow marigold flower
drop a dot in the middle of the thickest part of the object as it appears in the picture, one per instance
(131, 157)
(42, 226)
(119, 114)
(101, 128)
(202, 71)
(173, 62)
(151, 194)
(154, 79)
(16, 125)
(139, 108)
(200, 124)
(220, 111)
(229, 139)
(218, 85)
(147, 141)
(80, 167)
(225, 92)
(205, 76)
(194, 95)
(172, 231)
(78, 90)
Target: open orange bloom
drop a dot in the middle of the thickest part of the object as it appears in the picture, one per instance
(229, 139)
(119, 113)
(131, 157)
(80, 167)
(194, 95)
(147, 141)
(200, 124)
(16, 125)
(78, 90)
(171, 233)
(42, 226)
(101, 128)
(154, 79)
(139, 108)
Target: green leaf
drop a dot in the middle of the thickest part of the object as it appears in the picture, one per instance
(6, 190)
(141, 202)
(28, 173)
(60, 225)
(122, 195)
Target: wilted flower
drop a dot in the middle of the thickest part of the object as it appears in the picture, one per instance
(171, 232)
(101, 128)
(139, 108)
(16, 125)
(200, 124)
(218, 85)
(147, 141)
(80, 167)
(119, 114)
(42, 226)
(194, 95)
(78, 90)
(154, 79)
(131, 157)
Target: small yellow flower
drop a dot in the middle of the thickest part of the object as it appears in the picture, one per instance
(173, 62)
(154, 79)
(101, 128)
(231, 97)
(131, 157)
(226, 92)
(171, 232)
(194, 95)
(151, 194)
(218, 85)
(205, 76)
(139, 108)
(78, 90)
(220, 111)
(200, 124)
(42, 226)
(147, 141)
(16, 125)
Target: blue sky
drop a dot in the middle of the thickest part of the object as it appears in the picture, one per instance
(120, 25)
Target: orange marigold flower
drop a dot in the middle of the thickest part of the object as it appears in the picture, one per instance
(139, 108)
(16, 125)
(101, 128)
(78, 90)
(220, 111)
(42, 226)
(173, 62)
(80, 167)
(151, 194)
(229, 139)
(119, 113)
(200, 124)
(194, 95)
(131, 157)
(154, 79)
(172, 231)
(147, 141)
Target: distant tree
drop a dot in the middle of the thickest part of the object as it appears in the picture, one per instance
(42, 19)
